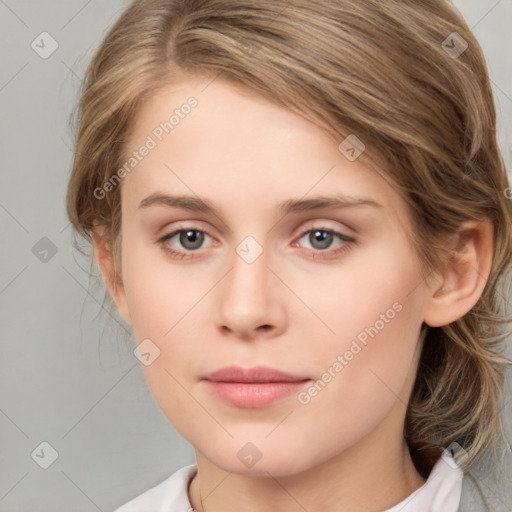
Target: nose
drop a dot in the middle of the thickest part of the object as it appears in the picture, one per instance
(249, 301)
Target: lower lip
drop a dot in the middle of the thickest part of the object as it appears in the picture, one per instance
(253, 396)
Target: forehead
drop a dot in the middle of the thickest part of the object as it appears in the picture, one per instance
(213, 137)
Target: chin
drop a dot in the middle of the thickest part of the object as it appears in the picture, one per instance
(249, 460)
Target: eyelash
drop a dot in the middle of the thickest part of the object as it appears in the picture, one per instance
(349, 241)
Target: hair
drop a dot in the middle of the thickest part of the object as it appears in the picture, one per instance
(380, 70)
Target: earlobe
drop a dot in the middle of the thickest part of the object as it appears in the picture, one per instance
(105, 259)
(464, 275)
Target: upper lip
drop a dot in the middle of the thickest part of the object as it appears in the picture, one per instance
(257, 374)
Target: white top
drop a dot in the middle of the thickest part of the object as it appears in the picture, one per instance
(440, 493)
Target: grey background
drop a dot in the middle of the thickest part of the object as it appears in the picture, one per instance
(67, 375)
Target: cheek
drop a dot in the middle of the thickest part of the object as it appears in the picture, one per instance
(374, 291)
(159, 293)
(361, 383)
(375, 311)
(373, 362)
(165, 304)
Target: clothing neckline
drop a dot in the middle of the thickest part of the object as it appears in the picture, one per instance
(442, 488)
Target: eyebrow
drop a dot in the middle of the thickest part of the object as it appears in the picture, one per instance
(194, 203)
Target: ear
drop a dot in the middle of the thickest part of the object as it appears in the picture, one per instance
(463, 277)
(105, 259)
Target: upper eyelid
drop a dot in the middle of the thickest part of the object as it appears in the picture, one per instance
(341, 236)
(191, 224)
(172, 233)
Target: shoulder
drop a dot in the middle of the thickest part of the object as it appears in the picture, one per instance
(480, 490)
(479, 495)
(472, 498)
(167, 496)
(486, 488)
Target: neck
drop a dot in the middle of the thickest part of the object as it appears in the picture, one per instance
(373, 475)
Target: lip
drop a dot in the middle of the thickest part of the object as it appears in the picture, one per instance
(253, 388)
(254, 375)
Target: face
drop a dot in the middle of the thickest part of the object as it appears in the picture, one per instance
(281, 253)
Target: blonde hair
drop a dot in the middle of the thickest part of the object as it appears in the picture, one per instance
(381, 70)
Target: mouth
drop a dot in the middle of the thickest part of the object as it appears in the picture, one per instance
(253, 388)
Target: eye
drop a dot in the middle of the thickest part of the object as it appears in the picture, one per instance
(190, 239)
(321, 239)
(182, 243)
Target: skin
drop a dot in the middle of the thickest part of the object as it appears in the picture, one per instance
(295, 308)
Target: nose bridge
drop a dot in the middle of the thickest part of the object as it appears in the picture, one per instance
(247, 298)
(249, 276)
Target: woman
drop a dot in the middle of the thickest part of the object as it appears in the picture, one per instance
(300, 208)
